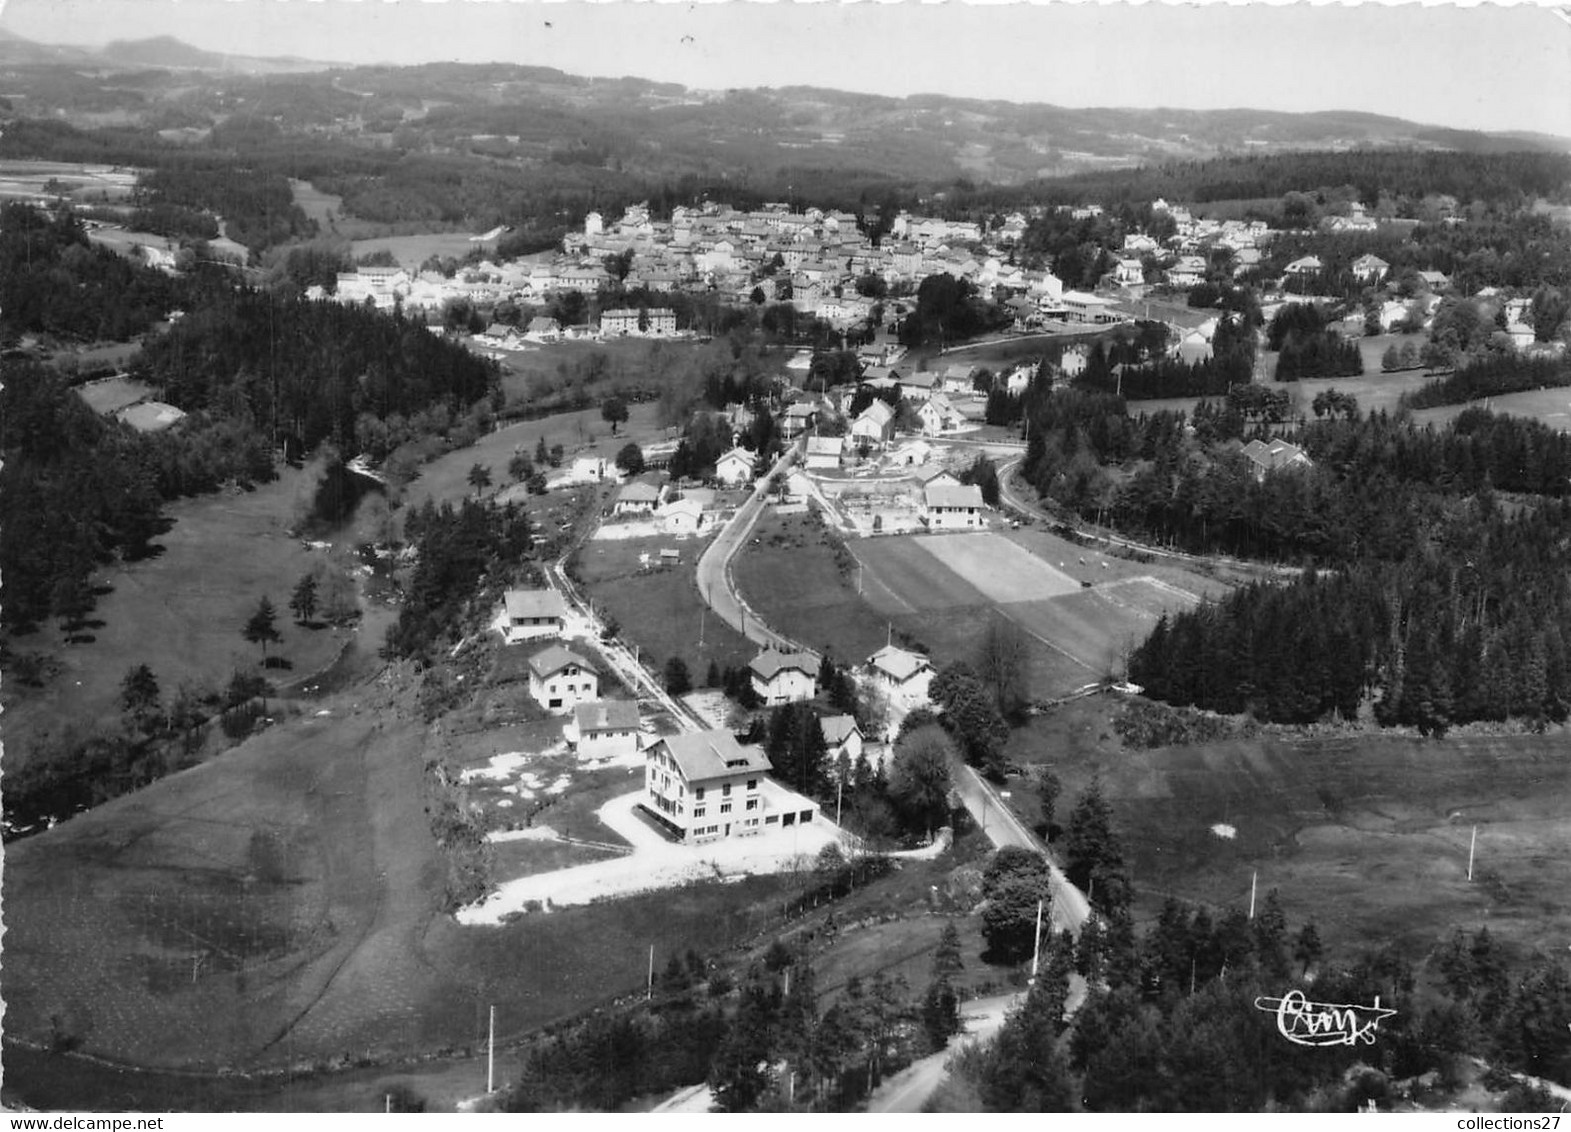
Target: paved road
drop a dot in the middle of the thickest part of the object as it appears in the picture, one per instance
(715, 583)
(1070, 907)
(909, 1089)
(619, 656)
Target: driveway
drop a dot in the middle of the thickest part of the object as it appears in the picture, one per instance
(656, 863)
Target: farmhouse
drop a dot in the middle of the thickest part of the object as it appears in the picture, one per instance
(735, 467)
(824, 452)
(875, 424)
(842, 736)
(636, 498)
(953, 508)
(684, 517)
(900, 673)
(532, 614)
(604, 729)
(706, 785)
(1267, 458)
(560, 679)
(781, 677)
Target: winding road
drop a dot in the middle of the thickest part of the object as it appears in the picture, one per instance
(715, 584)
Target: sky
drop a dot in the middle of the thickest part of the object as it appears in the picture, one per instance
(1487, 66)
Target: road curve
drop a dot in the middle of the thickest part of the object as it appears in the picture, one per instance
(716, 585)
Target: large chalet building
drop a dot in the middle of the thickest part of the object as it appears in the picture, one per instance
(705, 785)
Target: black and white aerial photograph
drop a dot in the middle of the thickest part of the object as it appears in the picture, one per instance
(566, 557)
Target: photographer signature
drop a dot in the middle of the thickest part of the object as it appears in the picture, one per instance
(1308, 1023)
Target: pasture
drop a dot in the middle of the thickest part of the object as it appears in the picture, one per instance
(181, 613)
(279, 906)
(940, 582)
(659, 607)
(111, 394)
(1366, 834)
(324, 208)
(1550, 407)
(412, 251)
(581, 433)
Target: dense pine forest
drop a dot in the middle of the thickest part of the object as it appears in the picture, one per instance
(1437, 578)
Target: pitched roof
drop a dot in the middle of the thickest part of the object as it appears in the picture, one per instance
(711, 754)
(770, 663)
(825, 445)
(898, 662)
(736, 454)
(533, 603)
(878, 412)
(926, 473)
(837, 727)
(638, 492)
(556, 658)
(954, 495)
(606, 715)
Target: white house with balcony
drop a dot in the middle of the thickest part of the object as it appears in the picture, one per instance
(901, 674)
(784, 677)
(705, 785)
(560, 679)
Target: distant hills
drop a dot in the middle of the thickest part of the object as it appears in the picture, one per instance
(162, 52)
(527, 116)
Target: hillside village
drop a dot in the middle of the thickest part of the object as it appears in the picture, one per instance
(682, 655)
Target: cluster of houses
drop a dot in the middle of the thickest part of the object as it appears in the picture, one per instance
(716, 248)
(702, 785)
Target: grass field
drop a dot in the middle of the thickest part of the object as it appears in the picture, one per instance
(583, 433)
(1002, 570)
(660, 609)
(279, 906)
(1551, 407)
(1368, 835)
(1081, 634)
(113, 393)
(412, 251)
(181, 613)
(322, 207)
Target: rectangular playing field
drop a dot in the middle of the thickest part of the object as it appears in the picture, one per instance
(900, 577)
(1001, 570)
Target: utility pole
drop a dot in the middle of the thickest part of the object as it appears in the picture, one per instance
(1253, 881)
(490, 1055)
(1471, 847)
(649, 988)
(1036, 948)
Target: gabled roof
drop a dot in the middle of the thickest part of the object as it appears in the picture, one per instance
(825, 445)
(837, 728)
(638, 492)
(606, 715)
(556, 658)
(533, 603)
(924, 380)
(710, 754)
(954, 495)
(770, 663)
(736, 454)
(878, 412)
(899, 663)
(925, 473)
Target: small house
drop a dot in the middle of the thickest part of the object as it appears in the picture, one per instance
(901, 674)
(532, 614)
(735, 467)
(947, 508)
(560, 679)
(842, 736)
(604, 729)
(784, 677)
(637, 498)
